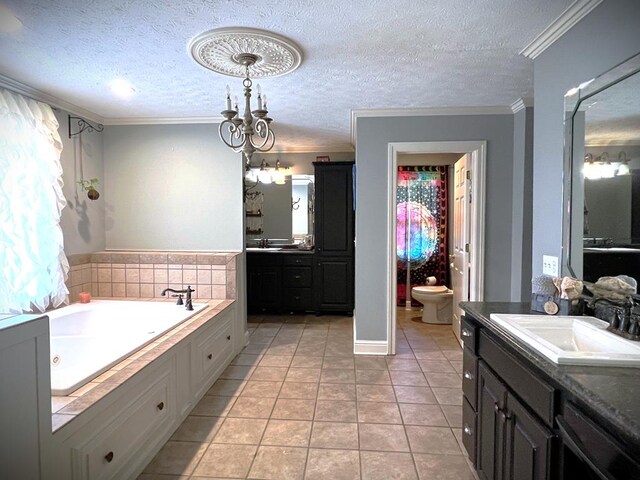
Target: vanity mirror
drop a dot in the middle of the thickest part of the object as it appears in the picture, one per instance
(601, 225)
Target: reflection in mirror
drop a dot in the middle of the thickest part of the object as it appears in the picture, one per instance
(602, 175)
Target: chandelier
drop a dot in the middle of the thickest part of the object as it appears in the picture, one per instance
(236, 52)
(251, 132)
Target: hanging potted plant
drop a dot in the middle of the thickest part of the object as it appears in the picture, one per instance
(89, 186)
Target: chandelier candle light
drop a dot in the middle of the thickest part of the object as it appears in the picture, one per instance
(237, 52)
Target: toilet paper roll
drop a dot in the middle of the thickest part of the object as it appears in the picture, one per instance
(431, 280)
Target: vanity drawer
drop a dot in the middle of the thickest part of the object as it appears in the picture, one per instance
(469, 334)
(535, 392)
(301, 260)
(295, 299)
(297, 277)
(469, 431)
(470, 378)
(213, 351)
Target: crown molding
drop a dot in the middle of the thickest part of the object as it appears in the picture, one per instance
(567, 19)
(40, 96)
(422, 112)
(520, 104)
(159, 120)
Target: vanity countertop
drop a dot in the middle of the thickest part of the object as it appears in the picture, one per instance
(287, 251)
(611, 393)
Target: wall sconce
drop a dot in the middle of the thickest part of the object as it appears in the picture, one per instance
(266, 174)
(602, 167)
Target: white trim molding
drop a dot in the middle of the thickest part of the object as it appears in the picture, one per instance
(521, 104)
(40, 96)
(370, 347)
(572, 15)
(423, 112)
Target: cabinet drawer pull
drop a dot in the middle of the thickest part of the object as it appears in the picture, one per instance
(467, 430)
(466, 333)
(468, 375)
(109, 457)
(297, 277)
(296, 297)
(210, 356)
(228, 337)
(161, 406)
(496, 407)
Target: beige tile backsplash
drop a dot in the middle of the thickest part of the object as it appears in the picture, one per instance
(145, 275)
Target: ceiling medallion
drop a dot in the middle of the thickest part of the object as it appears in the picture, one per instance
(239, 52)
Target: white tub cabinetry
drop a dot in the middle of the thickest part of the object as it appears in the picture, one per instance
(118, 436)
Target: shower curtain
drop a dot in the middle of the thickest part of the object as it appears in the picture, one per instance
(421, 227)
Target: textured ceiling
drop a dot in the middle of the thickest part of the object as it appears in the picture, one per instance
(357, 54)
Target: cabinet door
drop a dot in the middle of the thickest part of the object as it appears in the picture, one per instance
(333, 285)
(527, 445)
(270, 289)
(254, 286)
(334, 209)
(491, 422)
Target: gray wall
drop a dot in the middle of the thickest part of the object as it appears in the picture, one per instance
(82, 220)
(522, 204)
(604, 38)
(373, 137)
(171, 187)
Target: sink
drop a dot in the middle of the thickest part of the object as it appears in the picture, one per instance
(571, 340)
(263, 249)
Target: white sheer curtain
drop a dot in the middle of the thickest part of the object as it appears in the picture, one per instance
(33, 266)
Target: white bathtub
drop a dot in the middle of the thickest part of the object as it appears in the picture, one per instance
(88, 339)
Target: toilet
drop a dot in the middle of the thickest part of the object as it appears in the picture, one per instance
(437, 302)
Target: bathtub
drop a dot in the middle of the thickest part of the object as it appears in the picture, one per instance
(88, 339)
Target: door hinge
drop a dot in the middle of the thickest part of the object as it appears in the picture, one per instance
(466, 248)
(468, 174)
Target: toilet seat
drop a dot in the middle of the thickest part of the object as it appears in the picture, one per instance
(431, 289)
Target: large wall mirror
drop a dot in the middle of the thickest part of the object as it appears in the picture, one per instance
(602, 175)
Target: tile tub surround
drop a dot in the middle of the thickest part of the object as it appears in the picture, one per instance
(65, 408)
(146, 274)
(297, 404)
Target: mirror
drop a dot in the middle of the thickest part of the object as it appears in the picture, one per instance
(280, 212)
(601, 226)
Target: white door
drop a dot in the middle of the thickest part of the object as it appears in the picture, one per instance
(459, 256)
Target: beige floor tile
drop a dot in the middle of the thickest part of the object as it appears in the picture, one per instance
(457, 366)
(413, 379)
(375, 393)
(298, 390)
(251, 407)
(244, 431)
(333, 464)
(449, 380)
(453, 414)
(255, 349)
(409, 365)
(273, 374)
(294, 409)
(247, 359)
(448, 396)
(371, 363)
(436, 366)
(226, 461)
(337, 375)
(334, 435)
(345, 350)
(414, 395)
(453, 355)
(287, 349)
(432, 440)
(339, 363)
(287, 433)
(429, 355)
(279, 463)
(336, 391)
(214, 406)
(261, 389)
(311, 350)
(379, 412)
(303, 375)
(237, 372)
(176, 458)
(305, 361)
(276, 361)
(373, 377)
(227, 388)
(198, 429)
(387, 466)
(335, 411)
(442, 467)
(388, 438)
(420, 414)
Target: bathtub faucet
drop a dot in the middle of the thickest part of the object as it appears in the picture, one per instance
(188, 291)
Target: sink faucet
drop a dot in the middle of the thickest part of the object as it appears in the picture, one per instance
(188, 291)
(624, 322)
(264, 243)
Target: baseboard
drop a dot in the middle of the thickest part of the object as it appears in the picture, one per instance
(370, 347)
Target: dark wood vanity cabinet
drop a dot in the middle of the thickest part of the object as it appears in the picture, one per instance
(334, 237)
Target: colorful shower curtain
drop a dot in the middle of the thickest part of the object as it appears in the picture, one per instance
(421, 227)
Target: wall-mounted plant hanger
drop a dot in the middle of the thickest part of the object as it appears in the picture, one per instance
(83, 125)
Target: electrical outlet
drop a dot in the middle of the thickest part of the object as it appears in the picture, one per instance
(550, 265)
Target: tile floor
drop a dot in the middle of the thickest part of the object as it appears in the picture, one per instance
(297, 404)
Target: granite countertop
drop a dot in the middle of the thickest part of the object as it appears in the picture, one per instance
(611, 393)
(279, 250)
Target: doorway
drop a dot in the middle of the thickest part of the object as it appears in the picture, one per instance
(474, 224)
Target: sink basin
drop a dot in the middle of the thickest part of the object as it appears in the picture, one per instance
(571, 340)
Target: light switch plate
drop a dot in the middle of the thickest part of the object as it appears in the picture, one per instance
(550, 265)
